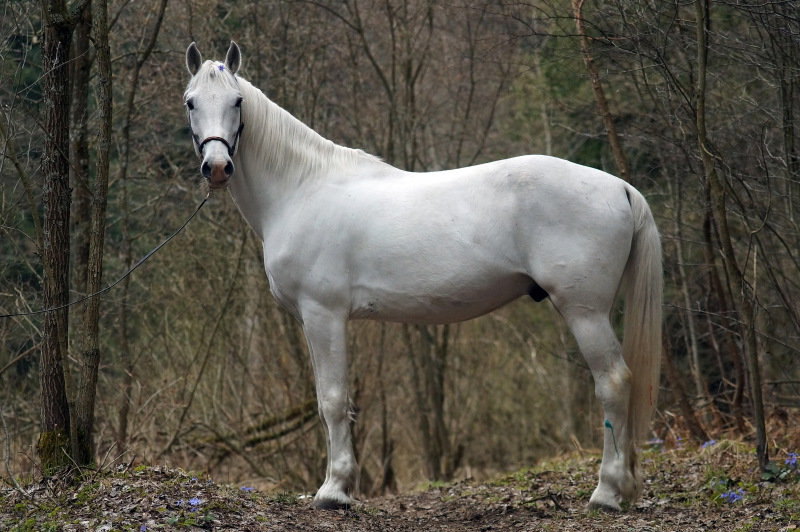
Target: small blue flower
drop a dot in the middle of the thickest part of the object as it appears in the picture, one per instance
(221, 67)
(733, 496)
(194, 504)
(709, 443)
(792, 460)
(180, 502)
(247, 489)
(143, 528)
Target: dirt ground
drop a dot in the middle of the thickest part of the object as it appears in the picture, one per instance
(711, 488)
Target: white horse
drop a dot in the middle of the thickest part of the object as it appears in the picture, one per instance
(347, 236)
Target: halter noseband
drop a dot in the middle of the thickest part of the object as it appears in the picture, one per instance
(231, 147)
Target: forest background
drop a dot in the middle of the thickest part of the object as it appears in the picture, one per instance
(189, 361)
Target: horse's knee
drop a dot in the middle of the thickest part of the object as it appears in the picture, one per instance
(333, 406)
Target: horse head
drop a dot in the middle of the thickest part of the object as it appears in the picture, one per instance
(213, 103)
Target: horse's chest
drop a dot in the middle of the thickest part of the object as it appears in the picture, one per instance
(299, 273)
(282, 292)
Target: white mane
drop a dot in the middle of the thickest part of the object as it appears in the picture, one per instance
(285, 145)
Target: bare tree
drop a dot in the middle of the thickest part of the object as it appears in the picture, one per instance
(600, 93)
(718, 194)
(88, 350)
(144, 50)
(60, 19)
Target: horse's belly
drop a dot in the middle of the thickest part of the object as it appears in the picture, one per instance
(438, 304)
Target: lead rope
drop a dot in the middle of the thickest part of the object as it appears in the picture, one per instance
(124, 275)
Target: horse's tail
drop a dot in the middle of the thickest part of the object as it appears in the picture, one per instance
(641, 346)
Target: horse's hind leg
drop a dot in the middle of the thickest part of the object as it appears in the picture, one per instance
(602, 351)
(325, 333)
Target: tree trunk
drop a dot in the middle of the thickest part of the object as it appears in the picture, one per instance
(725, 345)
(388, 476)
(701, 394)
(88, 354)
(81, 182)
(429, 367)
(676, 380)
(125, 352)
(80, 213)
(53, 444)
(600, 95)
(735, 279)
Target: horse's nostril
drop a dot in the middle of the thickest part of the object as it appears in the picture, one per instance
(205, 169)
(229, 169)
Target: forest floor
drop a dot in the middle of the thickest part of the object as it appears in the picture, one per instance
(689, 488)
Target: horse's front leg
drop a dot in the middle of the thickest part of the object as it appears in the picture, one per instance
(325, 333)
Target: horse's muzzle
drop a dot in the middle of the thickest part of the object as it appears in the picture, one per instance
(218, 173)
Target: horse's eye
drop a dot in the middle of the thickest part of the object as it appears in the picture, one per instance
(238, 102)
(190, 105)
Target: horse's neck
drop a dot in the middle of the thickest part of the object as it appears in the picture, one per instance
(278, 154)
(283, 148)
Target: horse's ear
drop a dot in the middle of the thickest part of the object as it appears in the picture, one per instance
(193, 59)
(234, 58)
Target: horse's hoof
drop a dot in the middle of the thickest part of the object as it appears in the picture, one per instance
(604, 499)
(605, 507)
(330, 504)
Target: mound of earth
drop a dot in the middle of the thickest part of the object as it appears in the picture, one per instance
(714, 488)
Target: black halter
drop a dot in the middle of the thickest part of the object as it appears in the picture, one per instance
(231, 147)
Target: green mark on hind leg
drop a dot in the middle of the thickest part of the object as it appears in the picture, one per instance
(607, 424)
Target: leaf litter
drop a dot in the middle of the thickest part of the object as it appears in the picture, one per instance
(713, 487)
